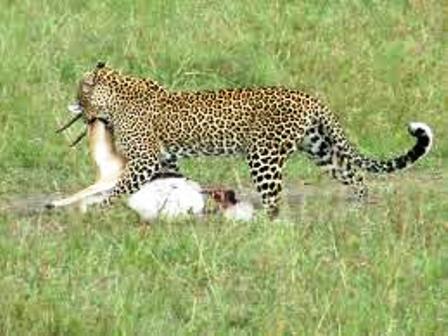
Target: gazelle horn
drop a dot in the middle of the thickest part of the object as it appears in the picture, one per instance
(79, 138)
(67, 125)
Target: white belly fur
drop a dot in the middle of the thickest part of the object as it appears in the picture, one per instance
(168, 197)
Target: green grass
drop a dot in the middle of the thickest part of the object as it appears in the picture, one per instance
(325, 268)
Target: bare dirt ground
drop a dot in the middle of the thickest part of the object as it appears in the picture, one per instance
(295, 195)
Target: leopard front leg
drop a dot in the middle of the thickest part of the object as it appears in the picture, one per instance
(265, 164)
(136, 173)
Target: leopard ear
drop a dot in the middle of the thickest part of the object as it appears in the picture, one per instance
(91, 77)
(100, 64)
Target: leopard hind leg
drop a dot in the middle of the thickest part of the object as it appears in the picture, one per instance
(334, 158)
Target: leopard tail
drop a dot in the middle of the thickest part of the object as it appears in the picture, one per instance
(424, 136)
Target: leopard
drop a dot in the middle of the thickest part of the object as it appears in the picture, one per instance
(154, 127)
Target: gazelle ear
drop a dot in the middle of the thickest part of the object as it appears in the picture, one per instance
(230, 196)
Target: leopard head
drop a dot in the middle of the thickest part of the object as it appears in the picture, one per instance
(93, 97)
(106, 94)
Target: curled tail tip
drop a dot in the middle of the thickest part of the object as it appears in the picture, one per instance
(423, 133)
(419, 129)
(424, 136)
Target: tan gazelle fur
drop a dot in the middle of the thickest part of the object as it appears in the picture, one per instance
(109, 165)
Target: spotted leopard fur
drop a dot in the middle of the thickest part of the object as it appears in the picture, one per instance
(153, 127)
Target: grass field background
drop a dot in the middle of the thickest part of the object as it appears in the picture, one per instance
(325, 268)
